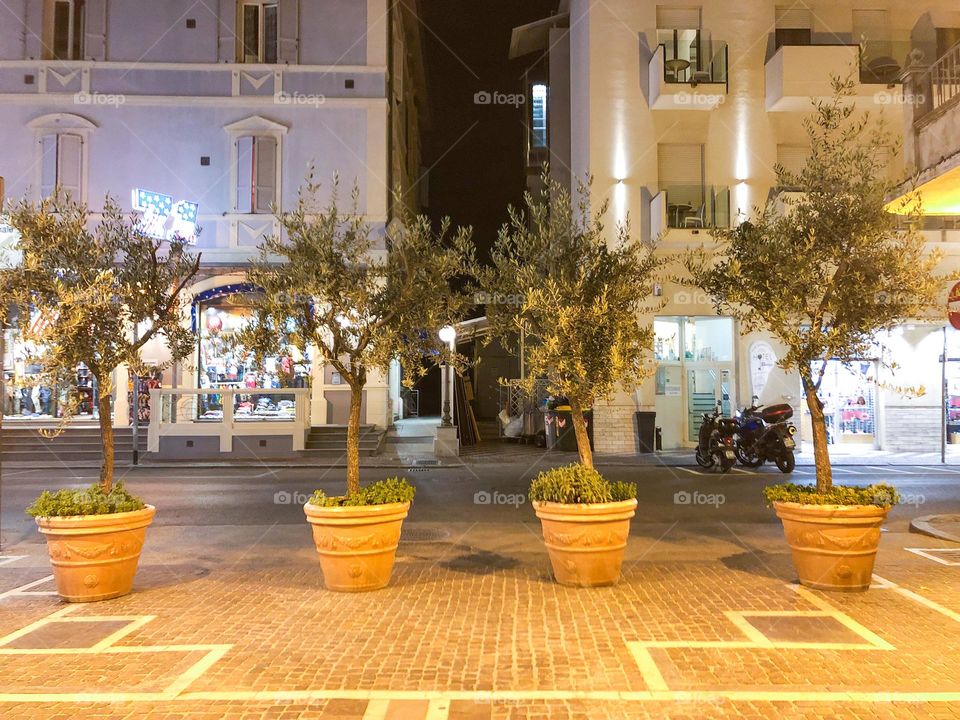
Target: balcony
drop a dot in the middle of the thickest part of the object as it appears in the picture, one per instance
(797, 73)
(687, 71)
(689, 207)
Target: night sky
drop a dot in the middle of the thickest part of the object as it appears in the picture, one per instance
(475, 152)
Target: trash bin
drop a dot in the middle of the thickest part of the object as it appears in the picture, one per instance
(646, 431)
(560, 432)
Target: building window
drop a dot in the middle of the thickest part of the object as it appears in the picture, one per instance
(538, 120)
(65, 29)
(61, 166)
(257, 173)
(257, 23)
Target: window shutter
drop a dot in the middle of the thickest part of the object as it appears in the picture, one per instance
(793, 158)
(680, 165)
(677, 18)
(244, 202)
(289, 31)
(95, 29)
(227, 30)
(48, 165)
(265, 173)
(793, 17)
(69, 157)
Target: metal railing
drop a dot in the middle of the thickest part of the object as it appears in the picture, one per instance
(944, 78)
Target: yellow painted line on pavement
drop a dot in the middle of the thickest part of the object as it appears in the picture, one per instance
(920, 599)
(438, 709)
(197, 669)
(21, 590)
(27, 629)
(376, 710)
(7, 559)
(842, 618)
(744, 626)
(652, 677)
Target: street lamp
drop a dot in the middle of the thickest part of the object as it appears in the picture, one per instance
(448, 335)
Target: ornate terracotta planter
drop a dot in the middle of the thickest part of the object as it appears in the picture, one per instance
(94, 557)
(357, 545)
(834, 546)
(586, 542)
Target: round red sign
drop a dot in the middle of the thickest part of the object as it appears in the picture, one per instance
(953, 306)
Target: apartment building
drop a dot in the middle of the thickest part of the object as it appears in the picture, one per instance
(210, 115)
(681, 112)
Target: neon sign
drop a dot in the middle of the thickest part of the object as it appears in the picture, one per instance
(164, 219)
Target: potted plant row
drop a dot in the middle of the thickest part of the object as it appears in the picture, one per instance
(79, 294)
(826, 279)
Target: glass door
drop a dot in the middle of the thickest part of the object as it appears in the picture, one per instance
(708, 387)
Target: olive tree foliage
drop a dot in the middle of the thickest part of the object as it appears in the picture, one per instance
(833, 270)
(330, 283)
(96, 297)
(577, 300)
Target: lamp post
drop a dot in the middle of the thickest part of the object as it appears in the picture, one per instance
(448, 334)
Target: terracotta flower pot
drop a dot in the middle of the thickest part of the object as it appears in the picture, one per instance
(586, 542)
(834, 546)
(357, 545)
(94, 557)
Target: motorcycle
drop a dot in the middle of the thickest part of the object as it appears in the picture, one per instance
(716, 442)
(764, 435)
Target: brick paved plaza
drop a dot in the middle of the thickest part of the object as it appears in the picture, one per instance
(230, 619)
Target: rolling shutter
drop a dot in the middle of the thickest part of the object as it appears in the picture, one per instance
(680, 164)
(69, 158)
(289, 31)
(265, 174)
(677, 18)
(244, 202)
(793, 158)
(793, 17)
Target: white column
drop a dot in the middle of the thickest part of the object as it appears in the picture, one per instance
(378, 399)
(318, 402)
(121, 404)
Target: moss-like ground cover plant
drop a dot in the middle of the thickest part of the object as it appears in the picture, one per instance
(577, 484)
(384, 492)
(879, 494)
(72, 502)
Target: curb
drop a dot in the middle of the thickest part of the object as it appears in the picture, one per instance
(923, 526)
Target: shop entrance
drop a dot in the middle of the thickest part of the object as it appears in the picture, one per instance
(849, 395)
(695, 373)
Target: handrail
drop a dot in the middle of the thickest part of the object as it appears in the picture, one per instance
(945, 77)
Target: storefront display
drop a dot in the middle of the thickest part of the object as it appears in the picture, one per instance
(849, 394)
(222, 364)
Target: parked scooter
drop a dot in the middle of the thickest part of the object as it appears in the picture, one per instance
(716, 444)
(764, 435)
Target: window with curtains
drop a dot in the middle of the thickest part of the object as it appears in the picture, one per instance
(258, 31)
(61, 165)
(64, 20)
(258, 169)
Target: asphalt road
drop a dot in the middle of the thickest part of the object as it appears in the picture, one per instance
(494, 493)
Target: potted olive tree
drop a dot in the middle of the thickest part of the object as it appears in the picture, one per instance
(330, 284)
(579, 302)
(94, 298)
(825, 278)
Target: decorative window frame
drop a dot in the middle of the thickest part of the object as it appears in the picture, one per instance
(62, 124)
(256, 126)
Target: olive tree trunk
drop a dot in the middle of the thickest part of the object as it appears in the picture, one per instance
(353, 439)
(821, 452)
(583, 438)
(106, 440)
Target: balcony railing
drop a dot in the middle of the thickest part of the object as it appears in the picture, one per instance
(692, 207)
(944, 79)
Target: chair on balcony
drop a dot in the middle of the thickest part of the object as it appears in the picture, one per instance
(697, 219)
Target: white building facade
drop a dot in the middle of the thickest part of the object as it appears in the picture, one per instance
(681, 112)
(226, 105)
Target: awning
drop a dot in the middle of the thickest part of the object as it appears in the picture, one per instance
(535, 36)
(939, 191)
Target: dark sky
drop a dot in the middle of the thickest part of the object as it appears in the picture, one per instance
(475, 151)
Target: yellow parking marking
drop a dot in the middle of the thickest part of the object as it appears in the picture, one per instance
(439, 709)
(652, 677)
(23, 589)
(26, 630)
(376, 710)
(919, 599)
(842, 618)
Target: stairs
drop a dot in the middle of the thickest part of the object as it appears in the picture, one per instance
(75, 446)
(329, 442)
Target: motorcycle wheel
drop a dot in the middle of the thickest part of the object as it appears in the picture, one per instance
(726, 464)
(746, 459)
(786, 462)
(704, 461)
